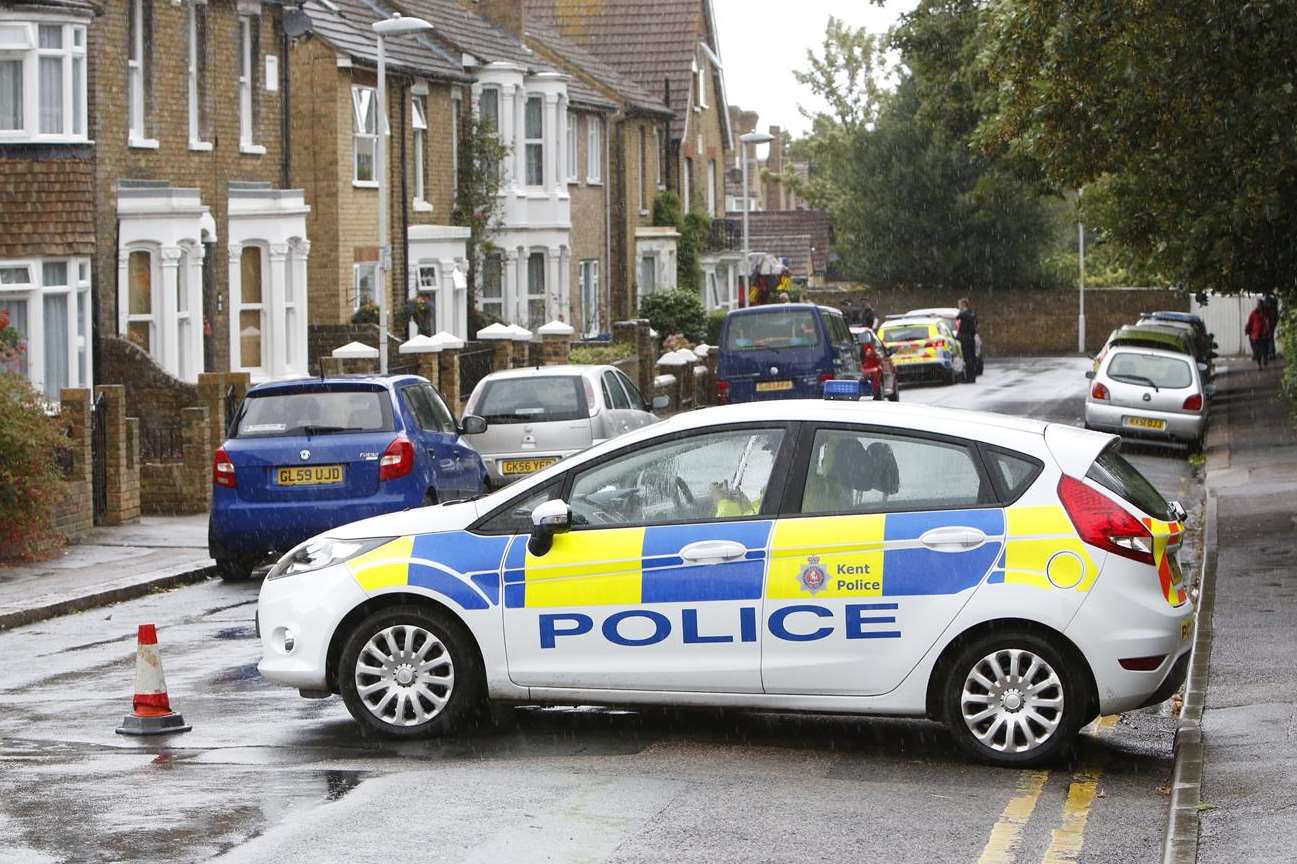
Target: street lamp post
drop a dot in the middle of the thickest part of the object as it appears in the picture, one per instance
(1080, 315)
(394, 26)
(744, 141)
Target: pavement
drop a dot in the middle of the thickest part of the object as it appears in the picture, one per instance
(1249, 722)
(113, 564)
(268, 776)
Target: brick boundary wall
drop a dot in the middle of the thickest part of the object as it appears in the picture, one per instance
(73, 513)
(180, 487)
(1014, 323)
(152, 393)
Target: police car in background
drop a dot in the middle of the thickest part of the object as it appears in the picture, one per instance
(1009, 577)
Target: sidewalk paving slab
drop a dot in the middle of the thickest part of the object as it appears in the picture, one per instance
(112, 565)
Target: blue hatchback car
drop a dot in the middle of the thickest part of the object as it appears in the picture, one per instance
(307, 455)
(783, 351)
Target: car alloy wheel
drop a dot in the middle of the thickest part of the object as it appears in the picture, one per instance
(1012, 701)
(404, 675)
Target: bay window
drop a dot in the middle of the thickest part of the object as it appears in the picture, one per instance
(534, 140)
(364, 133)
(488, 107)
(419, 125)
(535, 290)
(42, 81)
(47, 302)
(251, 317)
(140, 321)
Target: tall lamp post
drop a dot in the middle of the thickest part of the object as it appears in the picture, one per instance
(744, 141)
(1080, 315)
(394, 26)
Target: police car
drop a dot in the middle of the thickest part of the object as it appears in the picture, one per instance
(1011, 578)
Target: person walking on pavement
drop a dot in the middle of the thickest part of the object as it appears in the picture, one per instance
(1258, 331)
(966, 330)
(1270, 306)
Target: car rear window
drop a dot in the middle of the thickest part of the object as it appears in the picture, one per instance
(541, 399)
(791, 328)
(315, 412)
(1114, 473)
(1162, 372)
(1012, 473)
(904, 332)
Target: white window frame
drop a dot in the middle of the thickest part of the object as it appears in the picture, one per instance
(711, 187)
(686, 178)
(196, 48)
(359, 135)
(138, 67)
(497, 99)
(493, 305)
(34, 291)
(456, 117)
(594, 150)
(357, 270)
(22, 46)
(427, 281)
(238, 306)
(419, 132)
(530, 293)
(641, 289)
(700, 73)
(537, 142)
(247, 92)
(643, 172)
(572, 160)
(155, 282)
(589, 283)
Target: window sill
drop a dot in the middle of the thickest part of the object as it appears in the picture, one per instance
(593, 181)
(252, 149)
(200, 146)
(643, 212)
(143, 143)
(422, 206)
(365, 184)
(15, 137)
(572, 181)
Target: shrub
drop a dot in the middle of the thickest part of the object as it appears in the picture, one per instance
(1287, 346)
(30, 481)
(366, 314)
(676, 311)
(715, 319)
(12, 346)
(601, 355)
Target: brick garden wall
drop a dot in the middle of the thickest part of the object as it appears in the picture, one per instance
(73, 513)
(1019, 322)
(152, 394)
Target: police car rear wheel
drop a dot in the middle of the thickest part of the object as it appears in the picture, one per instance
(1010, 700)
(408, 672)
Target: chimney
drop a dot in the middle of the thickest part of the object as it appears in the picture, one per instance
(775, 161)
(505, 14)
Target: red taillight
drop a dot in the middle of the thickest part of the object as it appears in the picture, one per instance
(1098, 391)
(1102, 522)
(935, 343)
(722, 392)
(398, 459)
(826, 376)
(1193, 403)
(223, 469)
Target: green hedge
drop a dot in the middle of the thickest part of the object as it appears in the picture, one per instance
(30, 481)
(601, 355)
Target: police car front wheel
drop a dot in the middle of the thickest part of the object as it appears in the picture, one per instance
(409, 672)
(1011, 698)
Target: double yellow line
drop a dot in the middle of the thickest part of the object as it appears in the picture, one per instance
(1067, 840)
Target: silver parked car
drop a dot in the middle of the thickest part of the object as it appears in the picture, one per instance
(1148, 393)
(536, 416)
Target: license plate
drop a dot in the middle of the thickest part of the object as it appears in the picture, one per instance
(525, 466)
(1186, 629)
(1145, 423)
(772, 386)
(310, 475)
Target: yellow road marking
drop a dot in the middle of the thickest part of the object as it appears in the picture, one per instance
(1002, 847)
(1065, 841)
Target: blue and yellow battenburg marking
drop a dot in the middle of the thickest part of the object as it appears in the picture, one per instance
(461, 566)
(1043, 550)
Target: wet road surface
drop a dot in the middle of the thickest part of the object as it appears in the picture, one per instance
(268, 776)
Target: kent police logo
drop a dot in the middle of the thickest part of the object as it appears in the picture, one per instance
(813, 576)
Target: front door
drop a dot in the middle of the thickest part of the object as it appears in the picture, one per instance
(892, 536)
(658, 584)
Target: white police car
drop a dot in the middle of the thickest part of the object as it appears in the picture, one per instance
(1012, 578)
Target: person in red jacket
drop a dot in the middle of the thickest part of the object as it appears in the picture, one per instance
(1257, 331)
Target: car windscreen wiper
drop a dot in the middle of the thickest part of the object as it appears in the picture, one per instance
(1137, 379)
(328, 430)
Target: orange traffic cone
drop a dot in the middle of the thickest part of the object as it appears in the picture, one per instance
(152, 714)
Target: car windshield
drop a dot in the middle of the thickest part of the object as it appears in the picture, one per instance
(792, 328)
(539, 399)
(1162, 372)
(315, 412)
(904, 332)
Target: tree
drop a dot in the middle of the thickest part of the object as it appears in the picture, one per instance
(694, 228)
(477, 202)
(1176, 118)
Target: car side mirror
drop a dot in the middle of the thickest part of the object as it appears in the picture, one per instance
(1089, 373)
(1203, 367)
(472, 425)
(660, 402)
(1178, 511)
(548, 519)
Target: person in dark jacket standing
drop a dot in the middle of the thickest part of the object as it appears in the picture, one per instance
(966, 329)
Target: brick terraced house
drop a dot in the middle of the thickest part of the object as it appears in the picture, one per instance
(47, 188)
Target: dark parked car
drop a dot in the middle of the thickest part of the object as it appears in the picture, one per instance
(783, 351)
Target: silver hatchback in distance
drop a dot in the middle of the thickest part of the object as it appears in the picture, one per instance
(538, 415)
(1148, 393)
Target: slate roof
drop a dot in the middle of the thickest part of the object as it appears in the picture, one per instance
(649, 42)
(802, 236)
(627, 89)
(348, 30)
(84, 6)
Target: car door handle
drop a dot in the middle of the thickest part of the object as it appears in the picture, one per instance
(712, 551)
(952, 539)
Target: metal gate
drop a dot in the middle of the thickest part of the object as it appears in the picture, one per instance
(99, 454)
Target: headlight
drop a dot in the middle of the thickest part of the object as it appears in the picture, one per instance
(323, 552)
